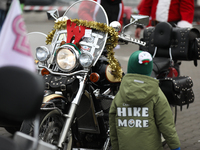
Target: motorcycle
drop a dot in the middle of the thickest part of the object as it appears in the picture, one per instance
(80, 83)
(82, 76)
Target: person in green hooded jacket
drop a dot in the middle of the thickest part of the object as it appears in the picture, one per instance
(140, 112)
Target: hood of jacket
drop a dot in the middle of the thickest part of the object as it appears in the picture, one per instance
(137, 89)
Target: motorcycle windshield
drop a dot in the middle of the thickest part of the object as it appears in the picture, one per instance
(89, 13)
(87, 10)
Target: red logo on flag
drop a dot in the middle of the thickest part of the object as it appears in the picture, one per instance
(21, 43)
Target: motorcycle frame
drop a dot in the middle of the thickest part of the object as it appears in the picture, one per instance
(72, 110)
(82, 83)
(82, 76)
(69, 117)
(74, 104)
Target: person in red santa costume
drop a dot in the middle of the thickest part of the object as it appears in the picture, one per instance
(178, 13)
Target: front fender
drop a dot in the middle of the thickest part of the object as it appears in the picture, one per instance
(54, 100)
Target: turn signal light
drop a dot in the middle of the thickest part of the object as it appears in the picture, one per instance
(36, 61)
(45, 72)
(94, 77)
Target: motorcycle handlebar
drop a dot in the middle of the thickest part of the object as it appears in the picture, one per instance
(125, 39)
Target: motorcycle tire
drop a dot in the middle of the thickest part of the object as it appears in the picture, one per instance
(50, 126)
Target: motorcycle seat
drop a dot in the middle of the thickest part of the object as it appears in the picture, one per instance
(163, 35)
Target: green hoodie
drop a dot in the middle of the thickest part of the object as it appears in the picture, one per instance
(139, 114)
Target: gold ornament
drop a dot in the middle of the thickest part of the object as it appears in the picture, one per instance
(111, 42)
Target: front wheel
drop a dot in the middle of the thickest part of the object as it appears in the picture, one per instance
(50, 127)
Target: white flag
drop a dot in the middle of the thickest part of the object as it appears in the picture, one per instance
(14, 45)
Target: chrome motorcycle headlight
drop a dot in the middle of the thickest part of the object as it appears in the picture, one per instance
(42, 53)
(86, 59)
(66, 58)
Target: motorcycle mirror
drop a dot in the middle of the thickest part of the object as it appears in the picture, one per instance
(137, 19)
(116, 25)
(53, 14)
(140, 19)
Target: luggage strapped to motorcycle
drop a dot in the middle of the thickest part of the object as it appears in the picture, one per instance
(183, 42)
(61, 83)
(178, 90)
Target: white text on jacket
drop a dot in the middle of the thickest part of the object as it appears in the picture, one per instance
(135, 112)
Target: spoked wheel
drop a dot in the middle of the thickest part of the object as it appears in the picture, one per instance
(174, 112)
(51, 123)
(50, 127)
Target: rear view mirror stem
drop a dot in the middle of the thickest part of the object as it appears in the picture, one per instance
(128, 25)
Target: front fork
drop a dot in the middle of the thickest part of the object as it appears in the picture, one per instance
(107, 143)
(72, 110)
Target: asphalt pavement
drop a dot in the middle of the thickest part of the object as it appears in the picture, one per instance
(188, 120)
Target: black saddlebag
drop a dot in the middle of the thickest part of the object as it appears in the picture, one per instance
(178, 90)
(61, 83)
